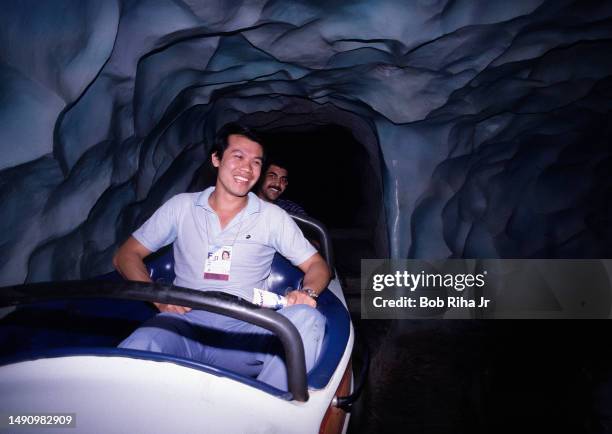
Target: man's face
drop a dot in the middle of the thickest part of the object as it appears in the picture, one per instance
(274, 183)
(240, 165)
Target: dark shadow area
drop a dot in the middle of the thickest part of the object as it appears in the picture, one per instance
(328, 172)
(445, 376)
(332, 178)
(71, 323)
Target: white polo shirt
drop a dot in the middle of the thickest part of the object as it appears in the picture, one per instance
(256, 233)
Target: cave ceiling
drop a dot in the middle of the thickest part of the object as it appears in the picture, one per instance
(488, 122)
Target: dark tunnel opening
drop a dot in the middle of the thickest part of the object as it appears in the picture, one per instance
(325, 172)
(333, 179)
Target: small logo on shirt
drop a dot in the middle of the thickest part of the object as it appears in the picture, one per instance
(247, 237)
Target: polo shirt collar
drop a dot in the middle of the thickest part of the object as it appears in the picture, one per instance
(253, 203)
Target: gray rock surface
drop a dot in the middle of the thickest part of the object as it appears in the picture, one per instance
(492, 118)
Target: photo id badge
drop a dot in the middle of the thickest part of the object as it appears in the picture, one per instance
(218, 263)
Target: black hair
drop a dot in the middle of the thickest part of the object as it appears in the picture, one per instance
(277, 160)
(221, 139)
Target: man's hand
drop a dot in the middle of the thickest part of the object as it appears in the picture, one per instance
(172, 308)
(299, 297)
(316, 277)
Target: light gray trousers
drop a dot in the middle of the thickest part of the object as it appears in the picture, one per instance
(229, 343)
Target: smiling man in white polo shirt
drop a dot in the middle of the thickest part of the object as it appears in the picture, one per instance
(224, 240)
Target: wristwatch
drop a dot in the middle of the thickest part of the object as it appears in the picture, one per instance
(310, 292)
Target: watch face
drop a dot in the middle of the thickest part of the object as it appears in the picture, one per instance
(311, 293)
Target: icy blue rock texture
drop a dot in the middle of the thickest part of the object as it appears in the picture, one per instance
(491, 118)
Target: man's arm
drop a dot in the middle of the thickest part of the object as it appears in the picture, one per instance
(316, 277)
(129, 263)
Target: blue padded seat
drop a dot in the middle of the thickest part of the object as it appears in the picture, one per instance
(95, 326)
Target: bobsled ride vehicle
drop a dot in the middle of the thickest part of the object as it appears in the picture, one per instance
(60, 365)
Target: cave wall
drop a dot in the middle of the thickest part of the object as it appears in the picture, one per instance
(491, 119)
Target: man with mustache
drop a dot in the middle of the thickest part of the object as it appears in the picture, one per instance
(273, 184)
(204, 225)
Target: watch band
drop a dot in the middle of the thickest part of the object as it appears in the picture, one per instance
(310, 292)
